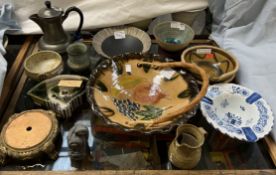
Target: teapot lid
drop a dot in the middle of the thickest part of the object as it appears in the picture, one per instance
(49, 11)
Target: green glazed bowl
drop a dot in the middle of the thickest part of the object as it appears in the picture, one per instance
(172, 35)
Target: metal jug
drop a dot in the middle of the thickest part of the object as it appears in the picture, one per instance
(50, 20)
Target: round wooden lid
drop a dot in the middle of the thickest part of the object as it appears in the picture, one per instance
(28, 130)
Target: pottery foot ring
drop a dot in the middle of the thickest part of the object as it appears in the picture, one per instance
(29, 134)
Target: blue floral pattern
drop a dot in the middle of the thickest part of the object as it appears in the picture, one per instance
(232, 119)
(259, 127)
(239, 90)
(226, 123)
(224, 103)
(233, 123)
(213, 92)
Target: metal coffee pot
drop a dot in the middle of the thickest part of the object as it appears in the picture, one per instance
(50, 20)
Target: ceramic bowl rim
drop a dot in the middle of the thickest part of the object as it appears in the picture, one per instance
(231, 57)
(58, 57)
(210, 121)
(105, 31)
(171, 44)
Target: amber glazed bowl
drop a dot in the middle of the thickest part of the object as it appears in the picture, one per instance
(43, 65)
(140, 93)
(220, 65)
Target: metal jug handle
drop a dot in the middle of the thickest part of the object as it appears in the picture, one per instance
(78, 31)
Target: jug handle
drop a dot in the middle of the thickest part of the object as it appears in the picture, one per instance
(78, 31)
(203, 131)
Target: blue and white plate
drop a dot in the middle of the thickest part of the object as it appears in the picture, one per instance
(237, 111)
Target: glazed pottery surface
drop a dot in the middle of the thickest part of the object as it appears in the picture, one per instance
(237, 111)
(43, 65)
(115, 41)
(63, 99)
(78, 58)
(172, 35)
(141, 95)
(218, 64)
(30, 134)
(185, 149)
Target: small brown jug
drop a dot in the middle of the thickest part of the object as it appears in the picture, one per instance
(185, 149)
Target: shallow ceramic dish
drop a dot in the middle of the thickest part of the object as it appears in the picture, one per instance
(43, 64)
(237, 111)
(30, 134)
(172, 35)
(63, 99)
(120, 40)
(219, 64)
(143, 96)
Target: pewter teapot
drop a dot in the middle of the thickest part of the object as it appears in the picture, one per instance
(50, 20)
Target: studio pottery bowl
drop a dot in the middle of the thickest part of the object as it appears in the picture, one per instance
(220, 65)
(237, 112)
(62, 94)
(43, 64)
(116, 41)
(172, 35)
(138, 92)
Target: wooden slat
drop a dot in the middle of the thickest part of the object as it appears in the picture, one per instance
(13, 75)
(271, 147)
(145, 172)
(16, 94)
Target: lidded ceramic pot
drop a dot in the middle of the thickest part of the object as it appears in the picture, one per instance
(185, 149)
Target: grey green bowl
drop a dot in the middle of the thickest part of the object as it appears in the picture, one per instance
(173, 39)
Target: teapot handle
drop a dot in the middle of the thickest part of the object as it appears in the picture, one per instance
(78, 31)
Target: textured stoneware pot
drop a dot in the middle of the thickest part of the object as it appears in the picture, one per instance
(42, 65)
(78, 58)
(185, 149)
(61, 99)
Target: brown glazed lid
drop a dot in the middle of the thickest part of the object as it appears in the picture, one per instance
(28, 130)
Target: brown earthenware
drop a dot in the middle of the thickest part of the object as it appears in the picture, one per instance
(141, 93)
(220, 65)
(30, 134)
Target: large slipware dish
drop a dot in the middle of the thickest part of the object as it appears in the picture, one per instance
(43, 65)
(30, 134)
(220, 65)
(237, 111)
(140, 93)
(62, 100)
(108, 46)
(172, 38)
